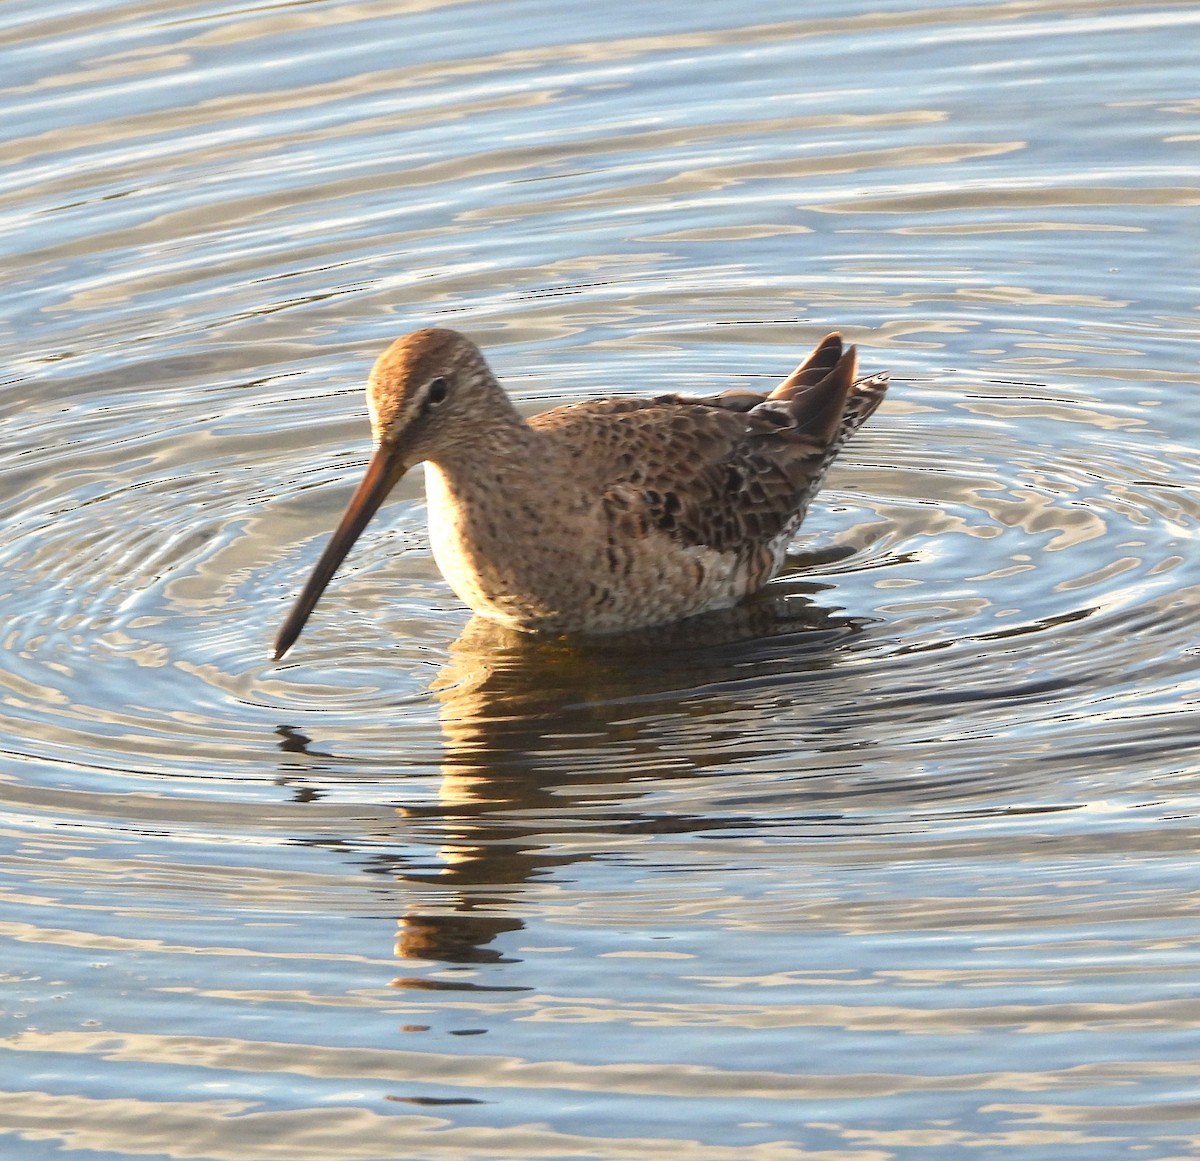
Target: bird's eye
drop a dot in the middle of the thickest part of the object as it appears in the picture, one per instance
(437, 391)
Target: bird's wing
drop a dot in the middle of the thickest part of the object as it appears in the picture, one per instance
(730, 472)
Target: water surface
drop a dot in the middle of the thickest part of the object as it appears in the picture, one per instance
(896, 861)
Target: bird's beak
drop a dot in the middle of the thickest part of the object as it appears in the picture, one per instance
(385, 468)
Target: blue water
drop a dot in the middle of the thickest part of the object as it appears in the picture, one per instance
(899, 861)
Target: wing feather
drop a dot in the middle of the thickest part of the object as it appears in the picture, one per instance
(731, 472)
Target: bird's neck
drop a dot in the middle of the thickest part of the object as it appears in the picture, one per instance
(500, 446)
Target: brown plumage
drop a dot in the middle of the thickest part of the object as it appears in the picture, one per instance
(602, 516)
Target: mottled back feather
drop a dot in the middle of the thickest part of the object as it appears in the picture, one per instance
(731, 472)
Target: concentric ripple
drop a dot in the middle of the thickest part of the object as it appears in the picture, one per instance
(895, 860)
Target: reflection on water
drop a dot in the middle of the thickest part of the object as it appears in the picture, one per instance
(896, 860)
(526, 720)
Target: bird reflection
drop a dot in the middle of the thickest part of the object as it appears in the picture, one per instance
(546, 738)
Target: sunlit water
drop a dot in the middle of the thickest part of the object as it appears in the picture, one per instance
(897, 861)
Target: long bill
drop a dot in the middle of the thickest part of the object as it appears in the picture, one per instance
(385, 468)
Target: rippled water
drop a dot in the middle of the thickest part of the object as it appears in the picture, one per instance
(896, 861)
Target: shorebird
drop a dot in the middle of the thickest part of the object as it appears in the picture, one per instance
(597, 517)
